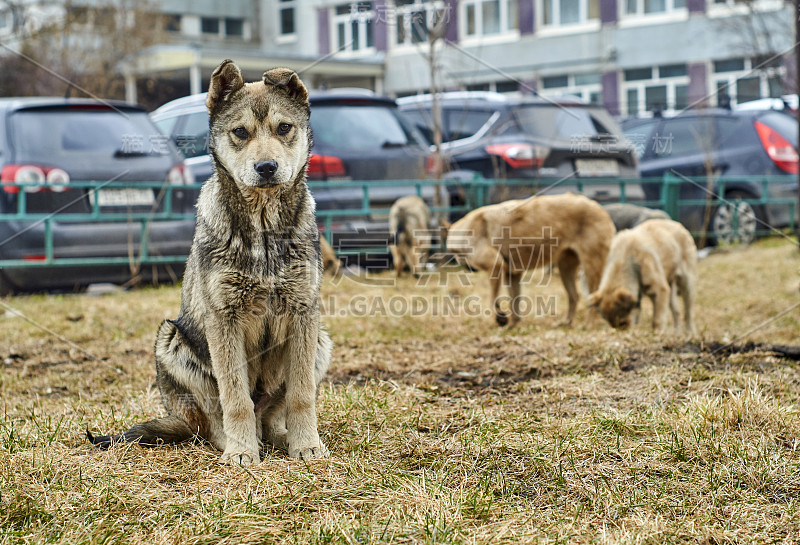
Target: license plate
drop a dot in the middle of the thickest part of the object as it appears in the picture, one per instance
(597, 167)
(123, 197)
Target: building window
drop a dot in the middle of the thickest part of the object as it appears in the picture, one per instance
(78, 15)
(506, 86)
(413, 19)
(6, 21)
(488, 17)
(650, 7)
(172, 22)
(354, 28)
(209, 25)
(569, 12)
(234, 26)
(502, 86)
(742, 80)
(662, 88)
(286, 17)
(586, 87)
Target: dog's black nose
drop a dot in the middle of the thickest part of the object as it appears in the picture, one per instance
(266, 169)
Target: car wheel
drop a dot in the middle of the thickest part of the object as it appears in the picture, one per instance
(736, 221)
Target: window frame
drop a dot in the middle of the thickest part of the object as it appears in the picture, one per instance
(730, 78)
(365, 20)
(656, 79)
(582, 90)
(220, 26)
(671, 12)
(583, 23)
(281, 6)
(506, 31)
(407, 11)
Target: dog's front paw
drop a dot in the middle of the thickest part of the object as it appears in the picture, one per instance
(240, 458)
(310, 453)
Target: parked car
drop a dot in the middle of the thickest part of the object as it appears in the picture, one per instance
(741, 146)
(550, 142)
(55, 141)
(786, 104)
(357, 136)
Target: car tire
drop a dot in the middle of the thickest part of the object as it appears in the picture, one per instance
(750, 219)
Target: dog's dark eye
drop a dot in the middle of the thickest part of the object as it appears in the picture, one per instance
(283, 128)
(241, 132)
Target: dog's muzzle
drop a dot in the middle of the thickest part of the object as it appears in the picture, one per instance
(266, 171)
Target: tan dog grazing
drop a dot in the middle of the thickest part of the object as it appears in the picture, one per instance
(658, 259)
(509, 238)
(330, 263)
(409, 220)
(242, 361)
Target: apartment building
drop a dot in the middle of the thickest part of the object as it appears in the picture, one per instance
(633, 56)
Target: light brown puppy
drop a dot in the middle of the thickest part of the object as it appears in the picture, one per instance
(512, 237)
(409, 220)
(658, 259)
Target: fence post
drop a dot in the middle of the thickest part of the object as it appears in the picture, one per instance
(669, 194)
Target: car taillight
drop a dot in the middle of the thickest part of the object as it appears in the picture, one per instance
(57, 179)
(520, 155)
(325, 166)
(431, 164)
(778, 148)
(54, 179)
(180, 174)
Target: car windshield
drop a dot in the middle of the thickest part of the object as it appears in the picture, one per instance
(559, 123)
(62, 135)
(362, 127)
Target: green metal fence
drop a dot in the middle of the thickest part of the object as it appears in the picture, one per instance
(778, 199)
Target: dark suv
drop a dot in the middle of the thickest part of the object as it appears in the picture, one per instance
(357, 136)
(54, 142)
(741, 147)
(548, 141)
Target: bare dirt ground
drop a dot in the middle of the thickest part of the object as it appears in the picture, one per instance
(443, 428)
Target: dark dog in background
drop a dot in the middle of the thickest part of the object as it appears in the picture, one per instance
(628, 216)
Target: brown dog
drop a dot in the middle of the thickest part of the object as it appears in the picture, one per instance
(657, 259)
(510, 238)
(409, 220)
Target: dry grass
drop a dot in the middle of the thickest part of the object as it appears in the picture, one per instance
(442, 430)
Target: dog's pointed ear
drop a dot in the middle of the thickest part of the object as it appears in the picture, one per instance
(225, 80)
(287, 79)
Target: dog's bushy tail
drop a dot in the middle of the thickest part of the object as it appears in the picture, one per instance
(166, 430)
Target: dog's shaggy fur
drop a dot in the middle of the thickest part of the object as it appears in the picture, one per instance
(244, 357)
(512, 237)
(657, 259)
